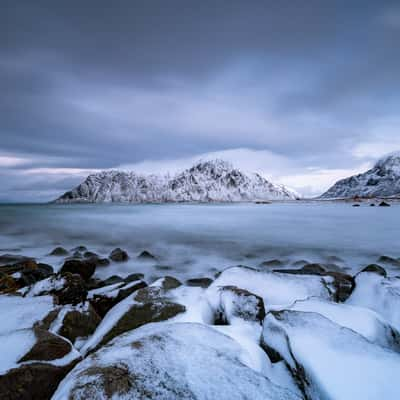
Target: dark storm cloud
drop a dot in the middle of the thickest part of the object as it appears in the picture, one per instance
(96, 84)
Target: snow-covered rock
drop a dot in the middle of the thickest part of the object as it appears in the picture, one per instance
(169, 361)
(329, 360)
(359, 319)
(379, 294)
(383, 180)
(276, 289)
(208, 181)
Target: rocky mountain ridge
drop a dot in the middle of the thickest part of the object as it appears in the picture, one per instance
(206, 181)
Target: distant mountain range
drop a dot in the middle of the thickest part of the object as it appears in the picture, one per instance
(208, 181)
(383, 180)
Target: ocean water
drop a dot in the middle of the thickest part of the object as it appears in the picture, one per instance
(194, 240)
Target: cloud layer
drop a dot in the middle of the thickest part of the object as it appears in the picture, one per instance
(310, 91)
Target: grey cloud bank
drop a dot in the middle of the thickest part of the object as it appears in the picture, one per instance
(310, 91)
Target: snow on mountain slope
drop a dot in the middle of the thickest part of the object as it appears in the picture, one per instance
(206, 181)
(383, 180)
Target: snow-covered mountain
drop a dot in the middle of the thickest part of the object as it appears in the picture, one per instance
(208, 181)
(383, 180)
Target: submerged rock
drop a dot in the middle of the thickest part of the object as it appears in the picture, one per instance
(389, 260)
(169, 361)
(384, 204)
(146, 255)
(119, 255)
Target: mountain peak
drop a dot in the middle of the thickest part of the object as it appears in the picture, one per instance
(206, 181)
(383, 180)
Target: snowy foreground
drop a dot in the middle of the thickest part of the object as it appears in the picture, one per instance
(297, 332)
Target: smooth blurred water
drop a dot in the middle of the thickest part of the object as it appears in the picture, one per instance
(197, 239)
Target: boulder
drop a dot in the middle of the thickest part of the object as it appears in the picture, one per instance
(238, 303)
(106, 298)
(73, 291)
(331, 361)
(85, 268)
(384, 204)
(146, 305)
(79, 322)
(80, 249)
(59, 251)
(134, 277)
(375, 268)
(169, 361)
(272, 263)
(389, 261)
(199, 282)
(118, 255)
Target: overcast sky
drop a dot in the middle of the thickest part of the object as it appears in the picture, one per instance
(305, 92)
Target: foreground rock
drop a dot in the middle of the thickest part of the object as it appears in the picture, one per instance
(33, 360)
(343, 284)
(150, 304)
(107, 297)
(85, 268)
(329, 360)
(168, 361)
(379, 294)
(273, 288)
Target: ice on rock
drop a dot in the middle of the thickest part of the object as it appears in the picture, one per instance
(168, 361)
(380, 294)
(275, 289)
(330, 361)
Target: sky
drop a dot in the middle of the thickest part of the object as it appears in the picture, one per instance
(304, 92)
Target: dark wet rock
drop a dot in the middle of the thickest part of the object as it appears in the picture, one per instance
(81, 249)
(200, 282)
(47, 347)
(104, 302)
(119, 255)
(134, 277)
(272, 263)
(8, 284)
(389, 260)
(169, 283)
(142, 314)
(34, 381)
(90, 254)
(308, 269)
(376, 269)
(77, 254)
(79, 323)
(112, 279)
(372, 205)
(85, 268)
(356, 205)
(384, 204)
(239, 303)
(59, 251)
(74, 290)
(6, 259)
(146, 255)
(23, 273)
(334, 259)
